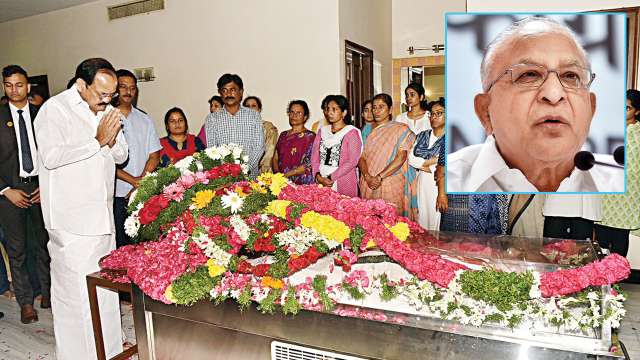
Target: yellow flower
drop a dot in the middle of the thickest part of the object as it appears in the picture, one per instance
(371, 244)
(257, 187)
(326, 225)
(265, 178)
(268, 281)
(203, 198)
(240, 193)
(278, 182)
(168, 293)
(215, 269)
(400, 230)
(278, 208)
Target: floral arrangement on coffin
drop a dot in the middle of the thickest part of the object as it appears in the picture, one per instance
(206, 232)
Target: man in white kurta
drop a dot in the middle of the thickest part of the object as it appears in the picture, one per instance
(79, 145)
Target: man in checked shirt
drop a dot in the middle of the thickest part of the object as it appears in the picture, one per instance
(235, 123)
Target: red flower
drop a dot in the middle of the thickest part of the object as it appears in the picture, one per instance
(244, 267)
(261, 269)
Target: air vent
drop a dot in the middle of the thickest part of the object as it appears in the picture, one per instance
(284, 351)
(134, 8)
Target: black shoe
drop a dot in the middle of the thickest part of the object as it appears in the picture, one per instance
(1, 314)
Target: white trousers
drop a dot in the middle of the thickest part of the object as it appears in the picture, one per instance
(428, 217)
(73, 257)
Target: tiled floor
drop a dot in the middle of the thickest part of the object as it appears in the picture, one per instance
(35, 341)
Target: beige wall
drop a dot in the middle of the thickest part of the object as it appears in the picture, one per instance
(367, 23)
(281, 52)
(420, 23)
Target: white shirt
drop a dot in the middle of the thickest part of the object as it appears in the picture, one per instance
(580, 206)
(481, 168)
(142, 139)
(77, 176)
(416, 126)
(32, 144)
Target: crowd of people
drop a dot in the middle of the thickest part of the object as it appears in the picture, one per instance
(67, 169)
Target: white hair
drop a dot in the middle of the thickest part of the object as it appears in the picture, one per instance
(530, 27)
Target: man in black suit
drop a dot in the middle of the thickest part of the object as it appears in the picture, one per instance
(20, 192)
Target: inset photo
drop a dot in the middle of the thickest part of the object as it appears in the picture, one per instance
(535, 103)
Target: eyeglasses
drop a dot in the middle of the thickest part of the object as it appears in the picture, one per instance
(103, 96)
(296, 113)
(437, 113)
(533, 76)
(229, 90)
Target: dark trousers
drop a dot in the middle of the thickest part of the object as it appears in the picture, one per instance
(616, 240)
(119, 216)
(4, 280)
(568, 228)
(16, 223)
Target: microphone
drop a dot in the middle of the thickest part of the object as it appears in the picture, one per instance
(584, 160)
(618, 155)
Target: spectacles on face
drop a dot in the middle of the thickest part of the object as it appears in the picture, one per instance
(533, 76)
(296, 113)
(229, 90)
(437, 114)
(629, 108)
(104, 96)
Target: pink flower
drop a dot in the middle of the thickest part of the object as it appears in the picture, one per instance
(186, 181)
(174, 192)
(201, 177)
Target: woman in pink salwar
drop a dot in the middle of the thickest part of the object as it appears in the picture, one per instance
(336, 149)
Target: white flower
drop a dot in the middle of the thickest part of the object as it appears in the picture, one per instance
(232, 200)
(237, 152)
(132, 224)
(183, 165)
(534, 292)
(213, 153)
(224, 151)
(132, 196)
(240, 227)
(245, 168)
(245, 158)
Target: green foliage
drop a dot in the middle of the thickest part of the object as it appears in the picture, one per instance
(291, 305)
(192, 287)
(353, 291)
(388, 292)
(153, 185)
(514, 321)
(321, 247)
(295, 210)
(253, 236)
(255, 203)
(355, 238)
(244, 299)
(495, 317)
(269, 305)
(221, 241)
(502, 289)
(319, 284)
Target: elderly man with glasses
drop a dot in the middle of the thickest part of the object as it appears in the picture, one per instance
(536, 108)
(79, 144)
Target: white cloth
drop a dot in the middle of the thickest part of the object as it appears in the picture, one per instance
(427, 194)
(578, 206)
(416, 126)
(26, 114)
(481, 168)
(142, 140)
(76, 174)
(332, 141)
(77, 179)
(72, 258)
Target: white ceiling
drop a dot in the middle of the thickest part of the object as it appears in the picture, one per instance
(16, 9)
